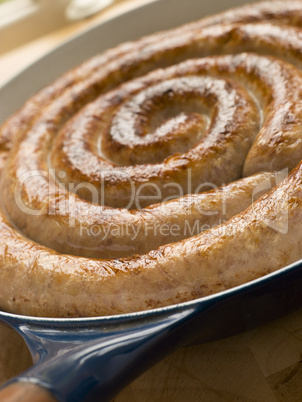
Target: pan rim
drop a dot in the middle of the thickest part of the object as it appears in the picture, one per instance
(173, 308)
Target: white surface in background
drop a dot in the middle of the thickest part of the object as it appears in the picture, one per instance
(78, 9)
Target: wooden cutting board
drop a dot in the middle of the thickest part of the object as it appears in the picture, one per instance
(260, 365)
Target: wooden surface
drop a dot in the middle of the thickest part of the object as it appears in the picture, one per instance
(261, 365)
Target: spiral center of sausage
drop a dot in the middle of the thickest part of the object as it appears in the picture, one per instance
(160, 121)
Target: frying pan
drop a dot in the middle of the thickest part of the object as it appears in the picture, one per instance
(92, 359)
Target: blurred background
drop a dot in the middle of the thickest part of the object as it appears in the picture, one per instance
(24, 20)
(31, 28)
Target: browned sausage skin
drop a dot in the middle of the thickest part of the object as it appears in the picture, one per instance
(95, 170)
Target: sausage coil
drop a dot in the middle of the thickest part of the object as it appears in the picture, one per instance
(160, 171)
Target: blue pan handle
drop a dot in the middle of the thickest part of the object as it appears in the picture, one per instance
(94, 359)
